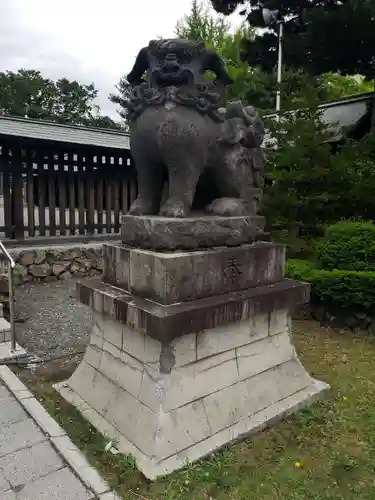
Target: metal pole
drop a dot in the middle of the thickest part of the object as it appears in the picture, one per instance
(279, 70)
(11, 307)
(11, 266)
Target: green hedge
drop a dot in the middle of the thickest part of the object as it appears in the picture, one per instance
(338, 289)
(348, 245)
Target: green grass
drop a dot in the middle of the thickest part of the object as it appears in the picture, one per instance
(324, 453)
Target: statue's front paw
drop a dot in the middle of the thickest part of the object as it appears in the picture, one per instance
(142, 207)
(174, 208)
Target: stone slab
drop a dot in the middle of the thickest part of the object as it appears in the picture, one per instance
(164, 441)
(11, 412)
(166, 322)
(19, 435)
(236, 432)
(28, 464)
(175, 411)
(116, 265)
(8, 495)
(30, 454)
(59, 485)
(164, 233)
(4, 484)
(169, 277)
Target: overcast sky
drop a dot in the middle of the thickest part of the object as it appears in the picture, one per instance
(86, 40)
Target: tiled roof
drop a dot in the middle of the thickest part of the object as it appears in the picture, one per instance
(343, 114)
(73, 134)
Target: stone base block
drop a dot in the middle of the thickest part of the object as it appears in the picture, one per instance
(166, 322)
(171, 277)
(163, 233)
(176, 402)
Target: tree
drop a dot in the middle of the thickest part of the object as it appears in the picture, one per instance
(251, 83)
(320, 36)
(27, 93)
(308, 187)
(200, 24)
(252, 86)
(121, 96)
(337, 86)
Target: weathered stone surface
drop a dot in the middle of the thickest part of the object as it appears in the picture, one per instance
(166, 322)
(121, 370)
(94, 256)
(40, 271)
(60, 485)
(27, 258)
(207, 144)
(28, 464)
(20, 274)
(65, 276)
(71, 254)
(11, 412)
(60, 267)
(278, 320)
(135, 343)
(212, 341)
(84, 262)
(116, 265)
(19, 435)
(164, 418)
(188, 383)
(182, 276)
(55, 262)
(161, 233)
(79, 269)
(261, 356)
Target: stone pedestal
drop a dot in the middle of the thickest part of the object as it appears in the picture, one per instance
(190, 350)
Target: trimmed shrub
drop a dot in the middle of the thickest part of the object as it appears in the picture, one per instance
(337, 289)
(348, 245)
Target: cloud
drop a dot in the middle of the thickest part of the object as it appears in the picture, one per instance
(90, 41)
(80, 39)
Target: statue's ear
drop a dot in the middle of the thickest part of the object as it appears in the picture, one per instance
(139, 68)
(213, 62)
(152, 44)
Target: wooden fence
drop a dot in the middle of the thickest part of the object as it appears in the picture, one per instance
(60, 192)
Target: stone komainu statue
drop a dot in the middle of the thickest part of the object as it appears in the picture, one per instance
(210, 156)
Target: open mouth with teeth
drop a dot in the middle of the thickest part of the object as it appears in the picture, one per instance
(177, 77)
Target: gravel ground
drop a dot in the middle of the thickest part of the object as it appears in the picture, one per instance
(50, 322)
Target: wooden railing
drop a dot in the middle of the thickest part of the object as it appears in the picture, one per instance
(63, 193)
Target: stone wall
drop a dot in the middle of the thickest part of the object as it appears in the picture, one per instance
(56, 262)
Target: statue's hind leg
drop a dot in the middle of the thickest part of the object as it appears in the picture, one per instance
(234, 176)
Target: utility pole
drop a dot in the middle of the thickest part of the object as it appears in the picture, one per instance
(279, 70)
